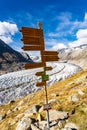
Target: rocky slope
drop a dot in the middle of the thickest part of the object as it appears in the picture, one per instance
(68, 100)
(11, 60)
(76, 55)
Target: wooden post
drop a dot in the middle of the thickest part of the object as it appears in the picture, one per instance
(40, 25)
(44, 66)
(33, 40)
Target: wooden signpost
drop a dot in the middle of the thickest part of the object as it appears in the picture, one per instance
(47, 106)
(33, 65)
(50, 53)
(32, 48)
(38, 84)
(33, 40)
(48, 68)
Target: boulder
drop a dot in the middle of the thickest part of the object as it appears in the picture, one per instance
(56, 115)
(9, 112)
(54, 101)
(71, 126)
(2, 116)
(54, 128)
(81, 93)
(24, 124)
(33, 127)
(33, 109)
(54, 94)
(39, 117)
(41, 109)
(41, 124)
(74, 98)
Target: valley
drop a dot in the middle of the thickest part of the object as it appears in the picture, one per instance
(17, 84)
(21, 102)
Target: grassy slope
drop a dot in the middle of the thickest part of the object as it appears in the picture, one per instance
(63, 90)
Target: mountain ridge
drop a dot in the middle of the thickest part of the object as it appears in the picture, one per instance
(75, 55)
(10, 59)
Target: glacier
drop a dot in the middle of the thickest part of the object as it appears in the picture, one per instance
(21, 83)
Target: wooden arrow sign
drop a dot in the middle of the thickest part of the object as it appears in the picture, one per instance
(40, 84)
(33, 65)
(51, 58)
(32, 48)
(48, 68)
(39, 73)
(48, 56)
(43, 76)
(31, 40)
(31, 31)
(50, 53)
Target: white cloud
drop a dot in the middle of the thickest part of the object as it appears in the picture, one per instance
(81, 36)
(85, 18)
(67, 27)
(58, 46)
(67, 18)
(50, 42)
(82, 33)
(7, 30)
(6, 39)
(54, 44)
(56, 34)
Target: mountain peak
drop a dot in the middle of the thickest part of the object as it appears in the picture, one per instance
(11, 60)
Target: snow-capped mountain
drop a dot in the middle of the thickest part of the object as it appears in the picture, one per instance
(76, 55)
(69, 49)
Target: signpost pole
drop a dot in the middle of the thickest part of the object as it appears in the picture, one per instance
(33, 40)
(44, 67)
(47, 111)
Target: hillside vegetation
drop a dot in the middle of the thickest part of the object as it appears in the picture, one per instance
(68, 95)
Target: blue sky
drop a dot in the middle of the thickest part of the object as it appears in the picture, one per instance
(64, 21)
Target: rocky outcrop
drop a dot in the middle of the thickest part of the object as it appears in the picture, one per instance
(2, 117)
(11, 60)
(57, 115)
(33, 109)
(70, 126)
(59, 121)
(24, 124)
(77, 56)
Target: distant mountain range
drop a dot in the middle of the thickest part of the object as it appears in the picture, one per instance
(11, 60)
(76, 55)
